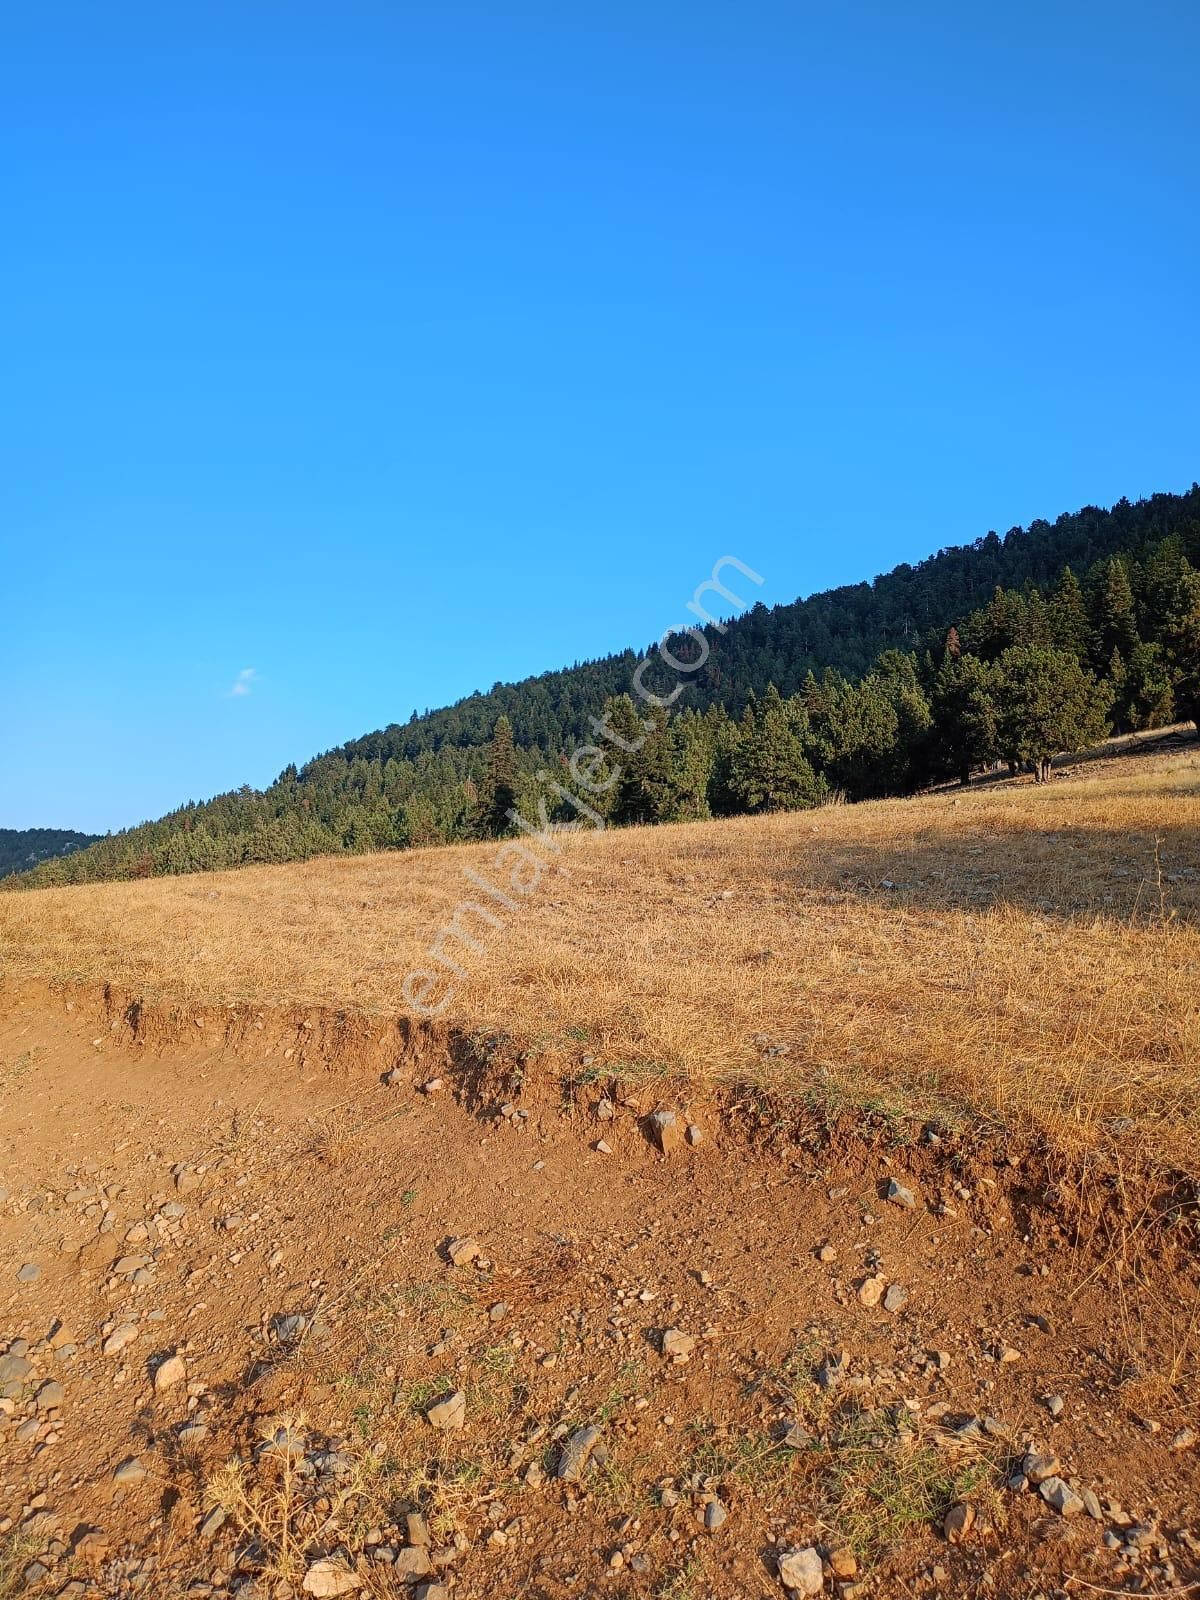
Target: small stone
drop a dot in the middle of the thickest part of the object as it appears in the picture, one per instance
(169, 1373)
(130, 1470)
(801, 1571)
(827, 1254)
(212, 1524)
(576, 1454)
(1091, 1504)
(605, 1110)
(843, 1563)
(462, 1251)
(797, 1437)
(899, 1195)
(603, 1148)
(1037, 1468)
(1184, 1439)
(14, 1368)
(694, 1135)
(433, 1591)
(1059, 1494)
(412, 1563)
(715, 1515)
(331, 1577)
(896, 1298)
(449, 1414)
(417, 1529)
(186, 1180)
(668, 1135)
(126, 1266)
(118, 1339)
(50, 1393)
(498, 1312)
(1055, 1404)
(29, 1273)
(959, 1521)
(870, 1291)
(678, 1346)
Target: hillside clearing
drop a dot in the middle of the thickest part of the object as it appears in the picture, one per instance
(1013, 953)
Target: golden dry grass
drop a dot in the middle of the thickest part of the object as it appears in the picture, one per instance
(1030, 955)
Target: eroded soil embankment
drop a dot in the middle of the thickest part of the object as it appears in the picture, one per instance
(238, 1201)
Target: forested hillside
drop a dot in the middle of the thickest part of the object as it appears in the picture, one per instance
(23, 848)
(1012, 648)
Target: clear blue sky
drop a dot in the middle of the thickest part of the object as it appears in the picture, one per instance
(388, 350)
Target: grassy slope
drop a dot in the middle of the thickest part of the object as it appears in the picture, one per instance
(1034, 958)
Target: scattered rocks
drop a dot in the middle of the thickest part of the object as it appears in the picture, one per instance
(801, 1572)
(412, 1563)
(450, 1414)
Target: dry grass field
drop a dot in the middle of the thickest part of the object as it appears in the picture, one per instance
(1019, 954)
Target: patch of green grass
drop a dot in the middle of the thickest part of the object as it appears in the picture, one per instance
(885, 1480)
(753, 1459)
(682, 1583)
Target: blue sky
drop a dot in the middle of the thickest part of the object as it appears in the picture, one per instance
(381, 352)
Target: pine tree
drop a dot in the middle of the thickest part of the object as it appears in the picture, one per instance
(498, 794)
(1070, 628)
(964, 715)
(1048, 705)
(1114, 625)
(768, 769)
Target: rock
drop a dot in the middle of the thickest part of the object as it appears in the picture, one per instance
(797, 1437)
(126, 1266)
(119, 1338)
(843, 1563)
(715, 1516)
(801, 1571)
(1184, 1439)
(960, 1519)
(676, 1345)
(169, 1373)
(605, 1109)
(1091, 1504)
(603, 1148)
(29, 1273)
(498, 1312)
(412, 1563)
(212, 1524)
(333, 1576)
(130, 1470)
(899, 1195)
(287, 1326)
(462, 1252)
(35, 1572)
(870, 1291)
(1037, 1468)
(51, 1393)
(896, 1297)
(433, 1591)
(1059, 1494)
(1055, 1404)
(14, 1368)
(576, 1454)
(186, 1180)
(448, 1414)
(826, 1253)
(417, 1529)
(668, 1135)
(694, 1135)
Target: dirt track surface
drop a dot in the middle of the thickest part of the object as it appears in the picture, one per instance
(191, 1198)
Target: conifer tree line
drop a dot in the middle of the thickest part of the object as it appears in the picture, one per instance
(1009, 650)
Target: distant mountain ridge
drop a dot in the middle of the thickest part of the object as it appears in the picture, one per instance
(23, 848)
(1131, 629)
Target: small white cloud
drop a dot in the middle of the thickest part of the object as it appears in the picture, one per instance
(243, 681)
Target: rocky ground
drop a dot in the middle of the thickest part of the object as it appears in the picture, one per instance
(276, 1322)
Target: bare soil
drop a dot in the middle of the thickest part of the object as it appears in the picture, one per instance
(261, 1168)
